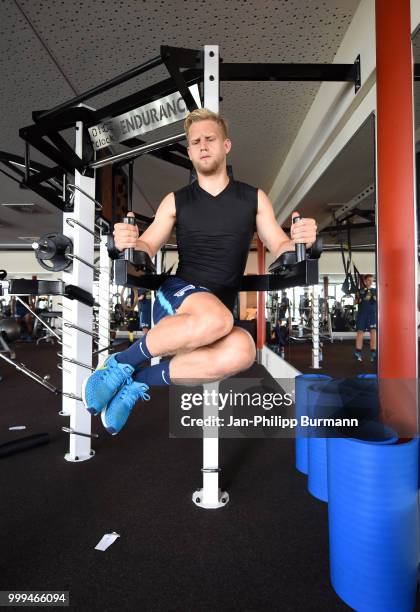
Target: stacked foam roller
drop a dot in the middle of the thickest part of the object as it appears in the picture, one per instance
(372, 490)
(373, 523)
(302, 383)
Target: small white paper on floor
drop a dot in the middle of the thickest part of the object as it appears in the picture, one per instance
(17, 427)
(107, 540)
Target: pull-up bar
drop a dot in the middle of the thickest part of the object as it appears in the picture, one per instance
(95, 91)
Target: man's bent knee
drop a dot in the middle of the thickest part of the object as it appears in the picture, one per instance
(245, 347)
(208, 321)
(237, 353)
(207, 328)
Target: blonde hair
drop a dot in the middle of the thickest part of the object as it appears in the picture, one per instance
(203, 114)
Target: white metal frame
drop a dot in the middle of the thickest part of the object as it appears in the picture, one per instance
(315, 327)
(77, 345)
(158, 266)
(210, 496)
(104, 328)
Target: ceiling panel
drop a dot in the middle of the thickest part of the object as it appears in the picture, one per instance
(52, 51)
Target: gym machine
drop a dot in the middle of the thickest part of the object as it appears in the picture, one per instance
(74, 170)
(289, 270)
(135, 269)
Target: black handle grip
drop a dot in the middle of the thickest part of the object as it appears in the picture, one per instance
(73, 292)
(129, 253)
(301, 247)
(113, 252)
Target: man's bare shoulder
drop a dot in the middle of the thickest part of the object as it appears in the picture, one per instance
(167, 205)
(263, 201)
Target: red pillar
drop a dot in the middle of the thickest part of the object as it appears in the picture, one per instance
(396, 218)
(260, 297)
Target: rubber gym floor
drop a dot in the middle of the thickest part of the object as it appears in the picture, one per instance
(266, 550)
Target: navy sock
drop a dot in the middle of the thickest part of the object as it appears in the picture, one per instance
(136, 354)
(154, 376)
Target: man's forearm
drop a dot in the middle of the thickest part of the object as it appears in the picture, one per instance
(286, 245)
(143, 246)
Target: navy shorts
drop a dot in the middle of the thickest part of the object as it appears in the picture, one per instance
(171, 295)
(366, 319)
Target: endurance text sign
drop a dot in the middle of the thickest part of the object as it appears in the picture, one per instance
(138, 121)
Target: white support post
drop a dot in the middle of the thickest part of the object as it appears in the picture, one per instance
(158, 266)
(158, 262)
(211, 77)
(104, 329)
(77, 345)
(315, 328)
(210, 496)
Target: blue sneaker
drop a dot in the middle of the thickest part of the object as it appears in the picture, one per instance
(358, 355)
(101, 386)
(115, 416)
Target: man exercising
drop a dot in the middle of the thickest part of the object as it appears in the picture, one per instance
(215, 219)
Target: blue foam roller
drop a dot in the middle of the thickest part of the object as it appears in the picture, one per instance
(340, 398)
(360, 397)
(373, 523)
(301, 408)
(324, 401)
(318, 468)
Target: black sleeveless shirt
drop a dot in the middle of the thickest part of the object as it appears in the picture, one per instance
(214, 235)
